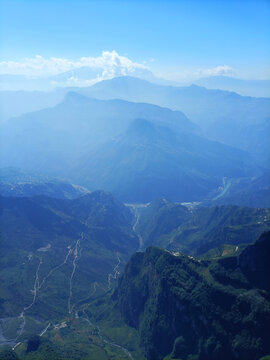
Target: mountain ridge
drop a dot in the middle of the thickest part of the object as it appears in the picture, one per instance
(99, 134)
(184, 308)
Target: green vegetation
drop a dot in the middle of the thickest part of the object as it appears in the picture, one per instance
(187, 308)
(79, 338)
(197, 230)
(59, 254)
(8, 355)
(63, 258)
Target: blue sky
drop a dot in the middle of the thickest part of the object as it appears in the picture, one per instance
(168, 36)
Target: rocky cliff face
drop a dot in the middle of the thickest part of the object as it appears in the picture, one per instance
(254, 262)
(184, 308)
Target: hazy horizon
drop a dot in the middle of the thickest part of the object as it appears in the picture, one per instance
(176, 41)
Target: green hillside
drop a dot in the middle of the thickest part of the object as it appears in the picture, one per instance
(58, 254)
(196, 230)
(63, 259)
(184, 308)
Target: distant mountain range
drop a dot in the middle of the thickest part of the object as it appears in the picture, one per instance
(16, 182)
(16, 103)
(149, 161)
(223, 116)
(239, 121)
(80, 76)
(138, 151)
(255, 88)
(86, 76)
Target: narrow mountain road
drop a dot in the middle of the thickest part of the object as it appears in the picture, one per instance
(77, 254)
(45, 330)
(76, 250)
(56, 268)
(115, 273)
(21, 316)
(37, 286)
(21, 330)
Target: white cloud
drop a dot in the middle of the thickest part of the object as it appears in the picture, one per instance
(216, 71)
(109, 63)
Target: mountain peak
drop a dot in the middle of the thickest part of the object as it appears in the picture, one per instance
(120, 81)
(74, 96)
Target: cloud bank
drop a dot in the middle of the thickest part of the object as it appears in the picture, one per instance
(46, 73)
(216, 71)
(109, 63)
